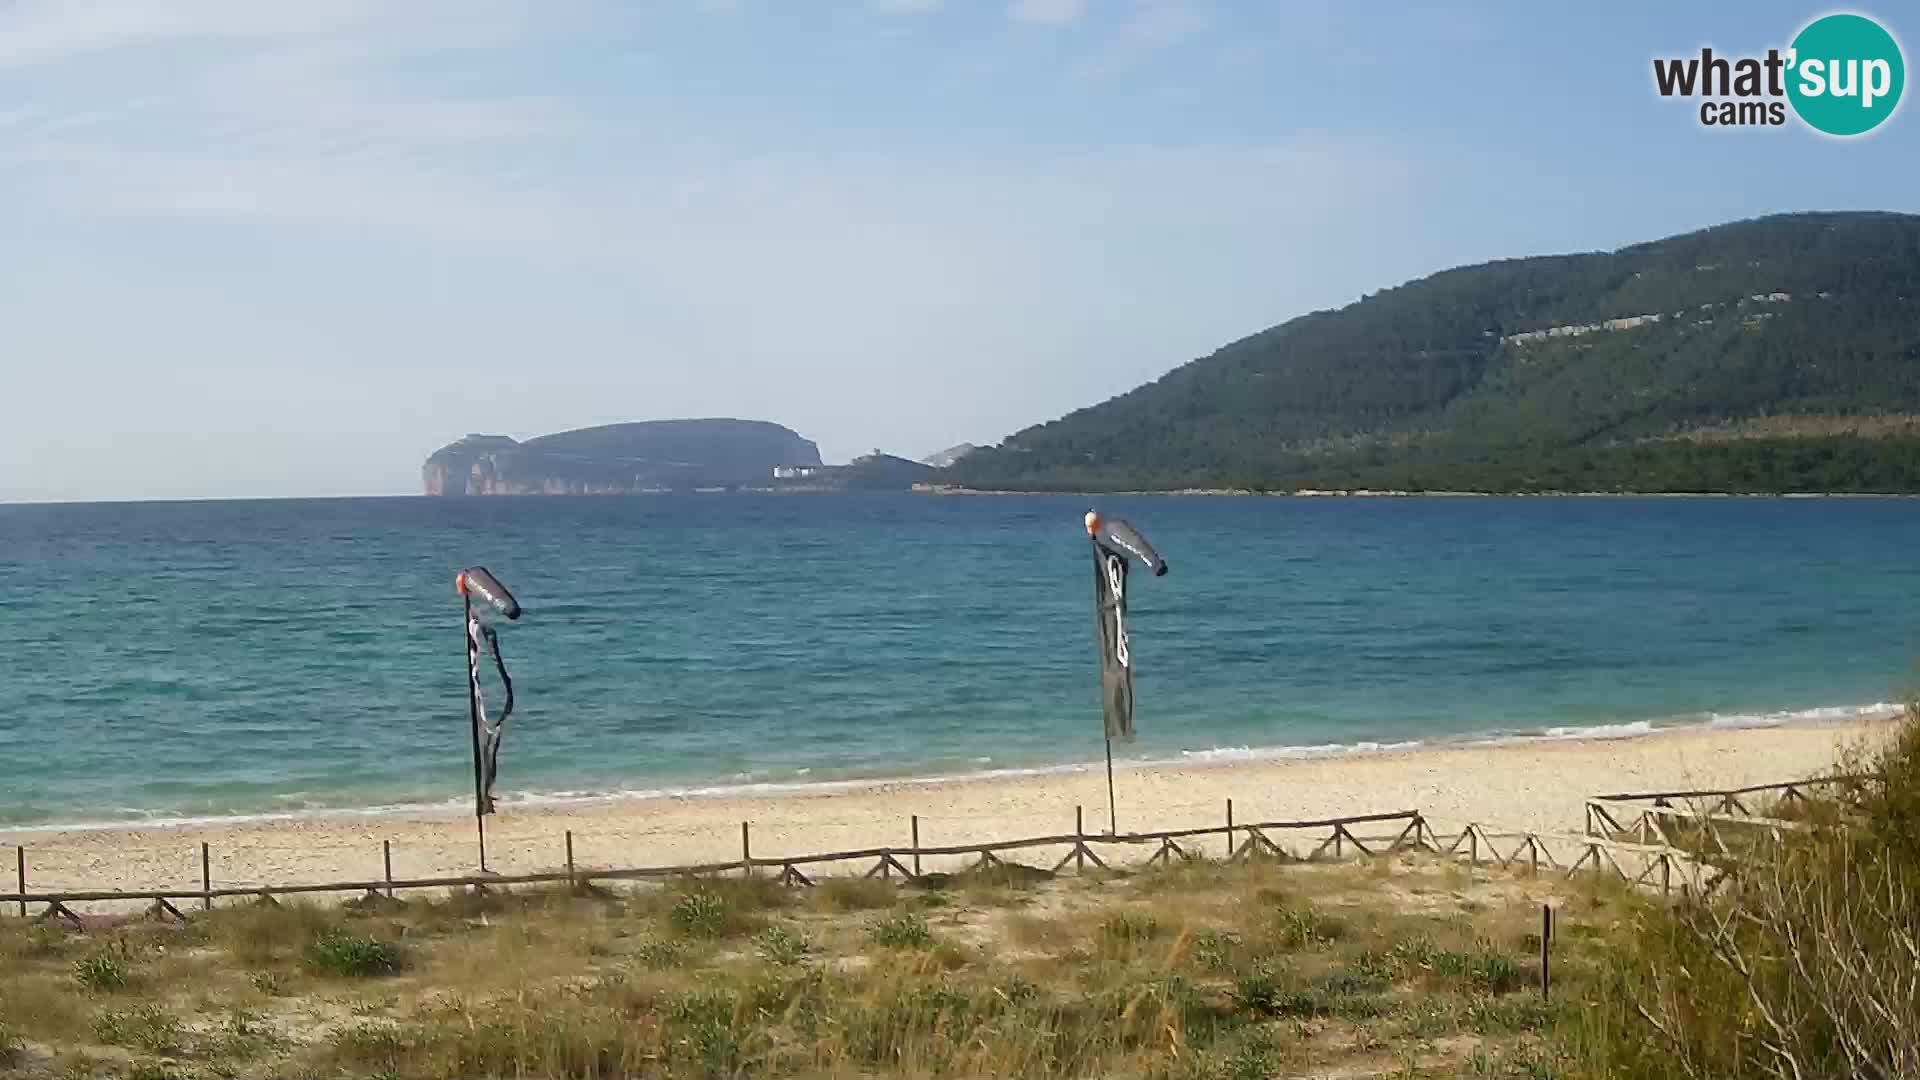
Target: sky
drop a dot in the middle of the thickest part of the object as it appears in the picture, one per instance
(289, 247)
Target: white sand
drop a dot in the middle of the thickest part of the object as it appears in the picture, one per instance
(1534, 786)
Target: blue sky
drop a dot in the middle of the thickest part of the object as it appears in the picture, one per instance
(290, 247)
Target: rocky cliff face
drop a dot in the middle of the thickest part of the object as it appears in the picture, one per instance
(656, 455)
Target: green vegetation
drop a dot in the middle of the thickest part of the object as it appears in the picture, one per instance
(1802, 964)
(105, 969)
(1408, 966)
(337, 952)
(1786, 357)
(901, 930)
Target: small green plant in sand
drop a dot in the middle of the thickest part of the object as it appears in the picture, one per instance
(700, 914)
(105, 969)
(145, 1026)
(780, 946)
(337, 952)
(901, 930)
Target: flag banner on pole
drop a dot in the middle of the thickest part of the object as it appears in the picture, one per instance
(483, 642)
(1115, 544)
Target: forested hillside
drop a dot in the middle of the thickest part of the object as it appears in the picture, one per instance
(1776, 354)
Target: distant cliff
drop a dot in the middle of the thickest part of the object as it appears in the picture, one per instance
(653, 455)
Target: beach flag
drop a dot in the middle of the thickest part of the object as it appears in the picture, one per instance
(476, 581)
(1115, 545)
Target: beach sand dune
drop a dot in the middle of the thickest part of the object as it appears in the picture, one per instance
(1535, 785)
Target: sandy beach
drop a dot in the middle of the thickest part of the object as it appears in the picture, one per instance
(1532, 785)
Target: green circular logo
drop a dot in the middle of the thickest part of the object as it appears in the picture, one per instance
(1845, 74)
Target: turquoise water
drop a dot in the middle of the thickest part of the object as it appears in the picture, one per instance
(185, 659)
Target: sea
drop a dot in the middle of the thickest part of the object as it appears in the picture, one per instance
(175, 661)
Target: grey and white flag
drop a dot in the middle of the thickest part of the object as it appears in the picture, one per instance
(1115, 544)
(483, 641)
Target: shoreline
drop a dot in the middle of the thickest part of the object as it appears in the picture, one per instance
(1534, 785)
(1395, 493)
(459, 806)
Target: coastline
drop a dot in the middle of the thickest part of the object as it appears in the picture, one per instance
(1536, 784)
(1395, 493)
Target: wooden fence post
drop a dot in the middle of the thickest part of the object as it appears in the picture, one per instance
(1229, 828)
(1546, 935)
(1079, 839)
(746, 852)
(571, 883)
(916, 845)
(206, 878)
(386, 860)
(20, 865)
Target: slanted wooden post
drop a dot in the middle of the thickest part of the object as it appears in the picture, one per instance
(571, 883)
(916, 845)
(206, 878)
(1546, 935)
(20, 865)
(1229, 829)
(386, 860)
(746, 852)
(1079, 839)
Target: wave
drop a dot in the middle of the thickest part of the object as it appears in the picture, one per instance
(1827, 714)
(743, 785)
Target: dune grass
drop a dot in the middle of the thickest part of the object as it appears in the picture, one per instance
(1406, 966)
(1201, 970)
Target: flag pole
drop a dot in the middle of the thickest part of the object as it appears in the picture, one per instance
(473, 717)
(1113, 826)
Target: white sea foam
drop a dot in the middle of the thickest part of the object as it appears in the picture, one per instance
(1632, 730)
(743, 784)
(1827, 714)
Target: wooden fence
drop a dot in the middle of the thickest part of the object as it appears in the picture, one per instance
(886, 862)
(1648, 844)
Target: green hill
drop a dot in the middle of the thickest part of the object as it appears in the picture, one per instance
(1778, 354)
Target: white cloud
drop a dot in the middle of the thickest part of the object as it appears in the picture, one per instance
(42, 31)
(1047, 12)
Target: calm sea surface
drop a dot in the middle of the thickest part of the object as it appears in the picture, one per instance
(188, 659)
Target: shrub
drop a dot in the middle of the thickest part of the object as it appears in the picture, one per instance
(1515, 1012)
(779, 945)
(1214, 949)
(901, 930)
(700, 914)
(657, 955)
(105, 969)
(1494, 972)
(704, 1030)
(1258, 992)
(1799, 963)
(1253, 1058)
(142, 1027)
(337, 952)
(11, 1046)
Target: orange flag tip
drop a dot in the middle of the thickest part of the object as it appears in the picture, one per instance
(460, 582)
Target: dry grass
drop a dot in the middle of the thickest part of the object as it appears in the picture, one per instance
(1204, 970)
(1802, 964)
